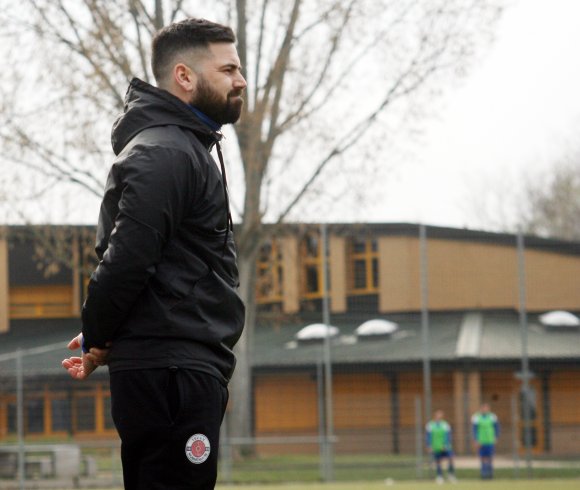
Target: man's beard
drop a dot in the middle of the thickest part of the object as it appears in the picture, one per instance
(208, 101)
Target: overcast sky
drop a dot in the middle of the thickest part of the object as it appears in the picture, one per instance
(515, 115)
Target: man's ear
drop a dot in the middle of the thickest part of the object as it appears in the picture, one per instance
(184, 77)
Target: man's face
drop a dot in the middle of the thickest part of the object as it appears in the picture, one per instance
(220, 85)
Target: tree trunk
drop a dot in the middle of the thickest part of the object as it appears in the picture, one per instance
(240, 418)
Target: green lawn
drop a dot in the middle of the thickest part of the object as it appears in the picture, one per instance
(272, 470)
(411, 485)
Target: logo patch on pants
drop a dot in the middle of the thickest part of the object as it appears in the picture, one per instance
(197, 448)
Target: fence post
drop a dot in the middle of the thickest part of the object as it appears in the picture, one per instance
(515, 440)
(20, 418)
(425, 334)
(526, 375)
(321, 418)
(329, 421)
(225, 453)
(418, 437)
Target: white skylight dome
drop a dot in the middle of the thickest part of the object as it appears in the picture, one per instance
(376, 327)
(559, 318)
(316, 331)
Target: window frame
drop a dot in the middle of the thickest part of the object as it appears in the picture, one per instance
(370, 256)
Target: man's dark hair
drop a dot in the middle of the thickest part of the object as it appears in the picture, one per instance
(179, 37)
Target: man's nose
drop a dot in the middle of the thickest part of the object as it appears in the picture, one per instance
(240, 82)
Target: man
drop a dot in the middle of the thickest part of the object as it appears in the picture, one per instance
(485, 433)
(162, 308)
(439, 445)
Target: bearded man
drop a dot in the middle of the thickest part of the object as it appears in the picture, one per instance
(162, 308)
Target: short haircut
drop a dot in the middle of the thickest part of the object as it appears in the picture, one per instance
(180, 37)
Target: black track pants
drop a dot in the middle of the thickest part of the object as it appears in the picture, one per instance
(168, 421)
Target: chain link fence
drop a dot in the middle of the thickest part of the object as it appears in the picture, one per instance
(58, 433)
(335, 396)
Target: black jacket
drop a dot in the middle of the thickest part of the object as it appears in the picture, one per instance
(164, 292)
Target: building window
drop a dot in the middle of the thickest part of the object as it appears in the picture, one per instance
(84, 413)
(363, 266)
(108, 422)
(60, 415)
(91, 411)
(311, 258)
(11, 422)
(55, 413)
(270, 275)
(34, 416)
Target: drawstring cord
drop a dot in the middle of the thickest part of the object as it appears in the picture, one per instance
(229, 222)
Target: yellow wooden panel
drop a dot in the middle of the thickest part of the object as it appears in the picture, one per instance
(291, 279)
(4, 302)
(553, 281)
(465, 274)
(361, 401)
(565, 397)
(286, 403)
(471, 275)
(442, 394)
(3, 418)
(410, 387)
(338, 275)
(499, 389)
(398, 274)
(41, 301)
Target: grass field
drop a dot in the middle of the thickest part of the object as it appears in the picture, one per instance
(411, 485)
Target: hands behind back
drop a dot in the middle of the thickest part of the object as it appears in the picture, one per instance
(81, 367)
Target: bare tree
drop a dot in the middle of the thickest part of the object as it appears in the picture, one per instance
(552, 202)
(326, 78)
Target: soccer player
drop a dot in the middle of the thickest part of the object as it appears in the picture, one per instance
(485, 433)
(438, 433)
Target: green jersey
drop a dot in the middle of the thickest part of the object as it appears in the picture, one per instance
(485, 428)
(438, 435)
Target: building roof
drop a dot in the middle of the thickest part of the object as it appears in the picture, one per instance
(454, 337)
(386, 229)
(555, 245)
(43, 345)
(484, 337)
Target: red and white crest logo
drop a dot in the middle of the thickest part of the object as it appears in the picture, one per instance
(197, 448)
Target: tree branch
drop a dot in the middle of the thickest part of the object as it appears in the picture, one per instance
(140, 48)
(259, 51)
(60, 165)
(107, 39)
(395, 92)
(278, 73)
(175, 11)
(77, 47)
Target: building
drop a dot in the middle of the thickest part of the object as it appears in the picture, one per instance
(374, 274)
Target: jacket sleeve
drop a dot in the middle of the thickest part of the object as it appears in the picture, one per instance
(155, 186)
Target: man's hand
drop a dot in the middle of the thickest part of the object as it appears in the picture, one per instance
(81, 367)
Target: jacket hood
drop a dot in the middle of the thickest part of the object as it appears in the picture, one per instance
(147, 106)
